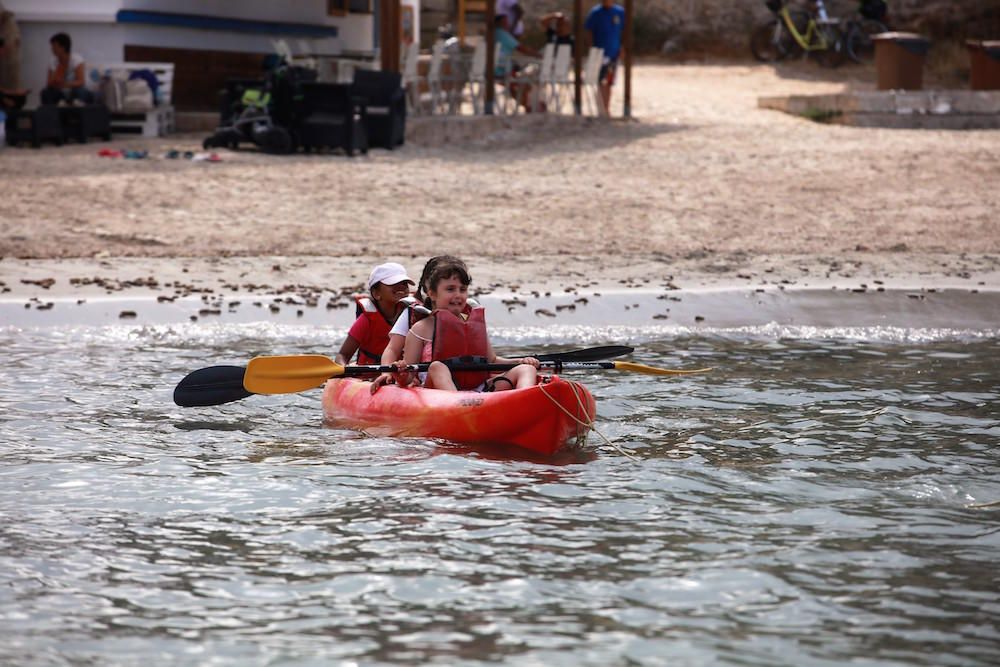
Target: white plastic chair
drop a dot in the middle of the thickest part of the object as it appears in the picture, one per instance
(592, 81)
(501, 97)
(434, 79)
(544, 79)
(477, 77)
(411, 78)
(560, 77)
(282, 49)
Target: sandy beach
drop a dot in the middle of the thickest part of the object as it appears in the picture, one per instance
(701, 189)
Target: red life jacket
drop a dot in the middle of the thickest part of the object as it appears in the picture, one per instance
(370, 350)
(418, 311)
(455, 337)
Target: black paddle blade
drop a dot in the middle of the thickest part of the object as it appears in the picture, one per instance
(214, 385)
(588, 354)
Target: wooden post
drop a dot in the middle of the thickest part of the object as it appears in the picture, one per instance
(627, 44)
(390, 34)
(461, 22)
(577, 56)
(490, 38)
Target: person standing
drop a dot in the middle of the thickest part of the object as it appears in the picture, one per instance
(605, 22)
(66, 80)
(557, 28)
(11, 93)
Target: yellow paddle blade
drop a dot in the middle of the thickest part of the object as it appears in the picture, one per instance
(289, 374)
(652, 370)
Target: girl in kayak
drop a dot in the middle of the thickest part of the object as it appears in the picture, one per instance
(388, 296)
(419, 309)
(457, 329)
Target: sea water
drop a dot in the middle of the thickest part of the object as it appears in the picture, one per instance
(822, 497)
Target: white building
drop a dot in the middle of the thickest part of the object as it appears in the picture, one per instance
(207, 40)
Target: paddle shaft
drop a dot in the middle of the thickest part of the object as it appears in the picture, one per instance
(356, 371)
(217, 385)
(293, 373)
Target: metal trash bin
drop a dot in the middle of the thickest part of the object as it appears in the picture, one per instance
(899, 60)
(984, 58)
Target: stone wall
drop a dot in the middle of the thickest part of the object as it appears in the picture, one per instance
(721, 25)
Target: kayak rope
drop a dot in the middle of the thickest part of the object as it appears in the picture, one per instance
(581, 439)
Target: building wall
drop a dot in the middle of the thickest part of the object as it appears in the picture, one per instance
(100, 40)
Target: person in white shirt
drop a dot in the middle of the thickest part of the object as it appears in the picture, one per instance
(66, 81)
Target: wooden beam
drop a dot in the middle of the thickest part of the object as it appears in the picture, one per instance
(578, 56)
(627, 100)
(490, 37)
(390, 34)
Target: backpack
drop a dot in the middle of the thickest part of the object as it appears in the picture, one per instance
(111, 93)
(150, 78)
(138, 96)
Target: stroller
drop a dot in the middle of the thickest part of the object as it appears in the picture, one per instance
(261, 112)
(249, 120)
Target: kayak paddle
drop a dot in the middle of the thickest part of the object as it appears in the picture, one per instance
(294, 373)
(214, 385)
(217, 385)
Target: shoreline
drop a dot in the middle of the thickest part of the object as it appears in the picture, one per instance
(961, 293)
(178, 276)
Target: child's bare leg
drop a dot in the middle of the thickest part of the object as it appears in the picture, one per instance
(439, 377)
(521, 376)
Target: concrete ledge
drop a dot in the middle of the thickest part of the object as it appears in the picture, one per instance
(930, 109)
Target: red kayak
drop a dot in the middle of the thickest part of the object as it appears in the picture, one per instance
(541, 419)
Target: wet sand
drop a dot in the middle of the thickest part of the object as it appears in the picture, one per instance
(957, 293)
(704, 191)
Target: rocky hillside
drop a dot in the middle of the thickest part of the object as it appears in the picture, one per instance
(670, 26)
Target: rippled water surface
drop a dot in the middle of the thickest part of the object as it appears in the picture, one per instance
(816, 500)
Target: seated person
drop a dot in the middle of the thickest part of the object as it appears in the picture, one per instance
(506, 67)
(515, 15)
(66, 81)
(557, 29)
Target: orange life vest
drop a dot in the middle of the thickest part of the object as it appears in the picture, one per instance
(457, 337)
(370, 350)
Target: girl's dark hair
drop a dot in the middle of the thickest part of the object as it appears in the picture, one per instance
(430, 277)
(63, 40)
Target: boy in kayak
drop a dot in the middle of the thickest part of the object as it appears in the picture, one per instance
(456, 329)
(388, 296)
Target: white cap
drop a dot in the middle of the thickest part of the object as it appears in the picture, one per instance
(389, 273)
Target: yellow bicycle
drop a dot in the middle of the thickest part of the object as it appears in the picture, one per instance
(791, 32)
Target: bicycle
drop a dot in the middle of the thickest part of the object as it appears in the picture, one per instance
(859, 28)
(792, 32)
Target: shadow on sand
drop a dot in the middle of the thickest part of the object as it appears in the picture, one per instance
(525, 136)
